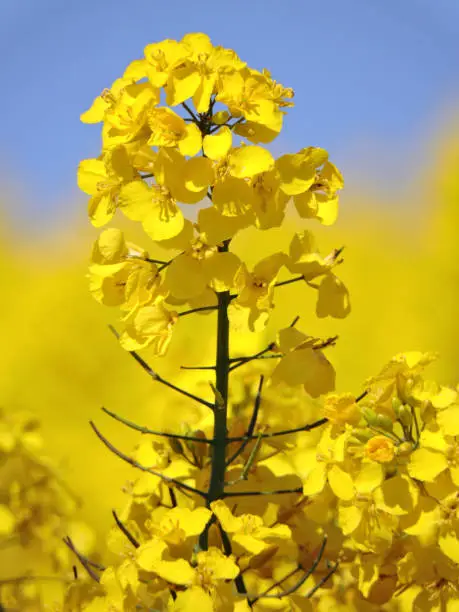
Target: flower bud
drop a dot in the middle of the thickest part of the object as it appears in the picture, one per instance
(220, 118)
(380, 449)
(384, 422)
(370, 416)
(396, 403)
(360, 436)
(405, 449)
(405, 416)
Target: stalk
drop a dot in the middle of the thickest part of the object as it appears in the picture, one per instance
(222, 365)
(217, 477)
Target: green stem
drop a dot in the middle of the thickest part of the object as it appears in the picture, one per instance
(217, 475)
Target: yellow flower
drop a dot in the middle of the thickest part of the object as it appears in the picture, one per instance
(313, 182)
(173, 535)
(228, 170)
(248, 532)
(201, 266)
(321, 464)
(257, 98)
(121, 274)
(127, 119)
(255, 291)
(363, 513)
(380, 449)
(429, 460)
(103, 179)
(298, 170)
(183, 179)
(104, 102)
(304, 258)
(154, 206)
(320, 201)
(433, 576)
(333, 298)
(269, 201)
(161, 58)
(149, 326)
(205, 580)
(341, 409)
(206, 66)
(169, 130)
(303, 363)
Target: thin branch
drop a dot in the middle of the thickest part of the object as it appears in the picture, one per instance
(322, 581)
(295, 279)
(20, 579)
(275, 434)
(278, 583)
(154, 432)
(302, 580)
(238, 361)
(155, 376)
(173, 497)
(416, 425)
(251, 427)
(125, 530)
(325, 343)
(165, 264)
(148, 259)
(83, 560)
(253, 493)
(248, 465)
(227, 124)
(240, 120)
(190, 112)
(212, 367)
(184, 313)
(134, 463)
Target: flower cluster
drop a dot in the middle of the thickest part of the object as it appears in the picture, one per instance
(157, 158)
(37, 510)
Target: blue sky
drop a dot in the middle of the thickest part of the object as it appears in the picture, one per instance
(371, 77)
